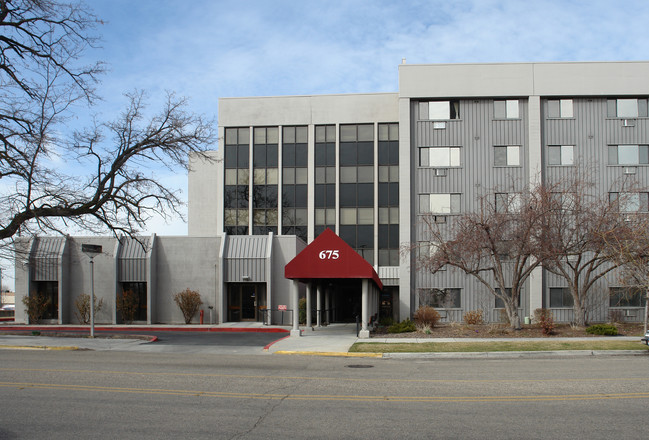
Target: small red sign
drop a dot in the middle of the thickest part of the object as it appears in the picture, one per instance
(282, 307)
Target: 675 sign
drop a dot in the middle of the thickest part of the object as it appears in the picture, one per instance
(329, 254)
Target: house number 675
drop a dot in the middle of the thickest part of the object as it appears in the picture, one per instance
(329, 254)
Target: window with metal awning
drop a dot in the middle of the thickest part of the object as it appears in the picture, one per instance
(329, 257)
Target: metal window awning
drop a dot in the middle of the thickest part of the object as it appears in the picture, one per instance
(329, 257)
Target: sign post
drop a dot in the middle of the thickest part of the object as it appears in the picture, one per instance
(92, 250)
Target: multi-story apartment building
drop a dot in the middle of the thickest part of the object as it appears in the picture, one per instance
(370, 166)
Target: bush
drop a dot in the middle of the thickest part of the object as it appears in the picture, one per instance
(545, 320)
(35, 307)
(82, 305)
(426, 315)
(402, 327)
(189, 302)
(473, 317)
(386, 321)
(602, 329)
(127, 304)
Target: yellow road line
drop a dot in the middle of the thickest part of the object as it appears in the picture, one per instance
(324, 378)
(37, 347)
(320, 397)
(332, 353)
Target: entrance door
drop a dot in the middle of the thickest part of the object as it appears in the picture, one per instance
(245, 300)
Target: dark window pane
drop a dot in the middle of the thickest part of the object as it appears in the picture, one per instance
(365, 153)
(383, 236)
(384, 153)
(384, 194)
(331, 195)
(319, 229)
(394, 153)
(242, 156)
(348, 234)
(301, 231)
(365, 194)
(271, 196)
(271, 155)
(331, 155)
(301, 195)
(348, 153)
(320, 155)
(259, 196)
(394, 236)
(259, 156)
(288, 196)
(394, 194)
(230, 156)
(242, 196)
(301, 156)
(320, 191)
(347, 194)
(230, 196)
(288, 156)
(365, 237)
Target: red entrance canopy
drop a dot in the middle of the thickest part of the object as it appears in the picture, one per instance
(328, 256)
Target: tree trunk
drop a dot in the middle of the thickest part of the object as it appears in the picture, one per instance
(578, 311)
(512, 314)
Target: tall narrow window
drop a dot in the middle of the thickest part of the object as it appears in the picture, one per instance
(265, 180)
(237, 180)
(294, 181)
(325, 178)
(388, 243)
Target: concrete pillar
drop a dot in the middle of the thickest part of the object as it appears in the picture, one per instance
(308, 305)
(318, 302)
(295, 331)
(327, 306)
(364, 333)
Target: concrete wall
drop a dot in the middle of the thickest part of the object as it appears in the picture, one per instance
(204, 182)
(181, 263)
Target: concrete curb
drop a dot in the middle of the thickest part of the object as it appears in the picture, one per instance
(331, 354)
(38, 347)
(142, 328)
(515, 354)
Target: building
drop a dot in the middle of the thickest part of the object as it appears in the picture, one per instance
(368, 166)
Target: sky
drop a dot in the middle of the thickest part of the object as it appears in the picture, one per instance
(207, 49)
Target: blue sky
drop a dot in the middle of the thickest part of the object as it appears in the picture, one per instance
(204, 49)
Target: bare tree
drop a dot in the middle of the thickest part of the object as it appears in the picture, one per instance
(576, 220)
(105, 178)
(628, 246)
(496, 245)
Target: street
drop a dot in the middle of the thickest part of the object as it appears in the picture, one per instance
(84, 394)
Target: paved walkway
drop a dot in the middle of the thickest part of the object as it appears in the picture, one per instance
(333, 340)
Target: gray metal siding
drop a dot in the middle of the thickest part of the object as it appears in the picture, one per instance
(245, 255)
(45, 258)
(132, 260)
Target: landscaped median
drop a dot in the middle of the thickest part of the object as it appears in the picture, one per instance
(496, 346)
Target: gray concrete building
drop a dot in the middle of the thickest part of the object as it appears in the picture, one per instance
(368, 167)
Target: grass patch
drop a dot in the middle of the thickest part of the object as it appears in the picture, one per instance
(481, 347)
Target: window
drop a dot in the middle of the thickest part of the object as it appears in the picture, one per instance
(626, 108)
(439, 157)
(508, 202)
(441, 298)
(439, 110)
(560, 297)
(561, 155)
(506, 109)
(440, 203)
(628, 154)
(627, 297)
(500, 304)
(630, 202)
(560, 108)
(507, 156)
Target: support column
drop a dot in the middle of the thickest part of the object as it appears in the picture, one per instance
(364, 333)
(308, 306)
(327, 306)
(318, 302)
(295, 331)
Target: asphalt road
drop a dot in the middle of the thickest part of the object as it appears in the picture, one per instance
(86, 394)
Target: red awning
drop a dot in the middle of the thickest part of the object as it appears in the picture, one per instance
(328, 256)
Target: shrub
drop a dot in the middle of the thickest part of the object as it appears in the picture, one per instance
(386, 321)
(35, 307)
(189, 302)
(545, 320)
(602, 329)
(82, 305)
(127, 305)
(426, 315)
(301, 305)
(473, 317)
(402, 327)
